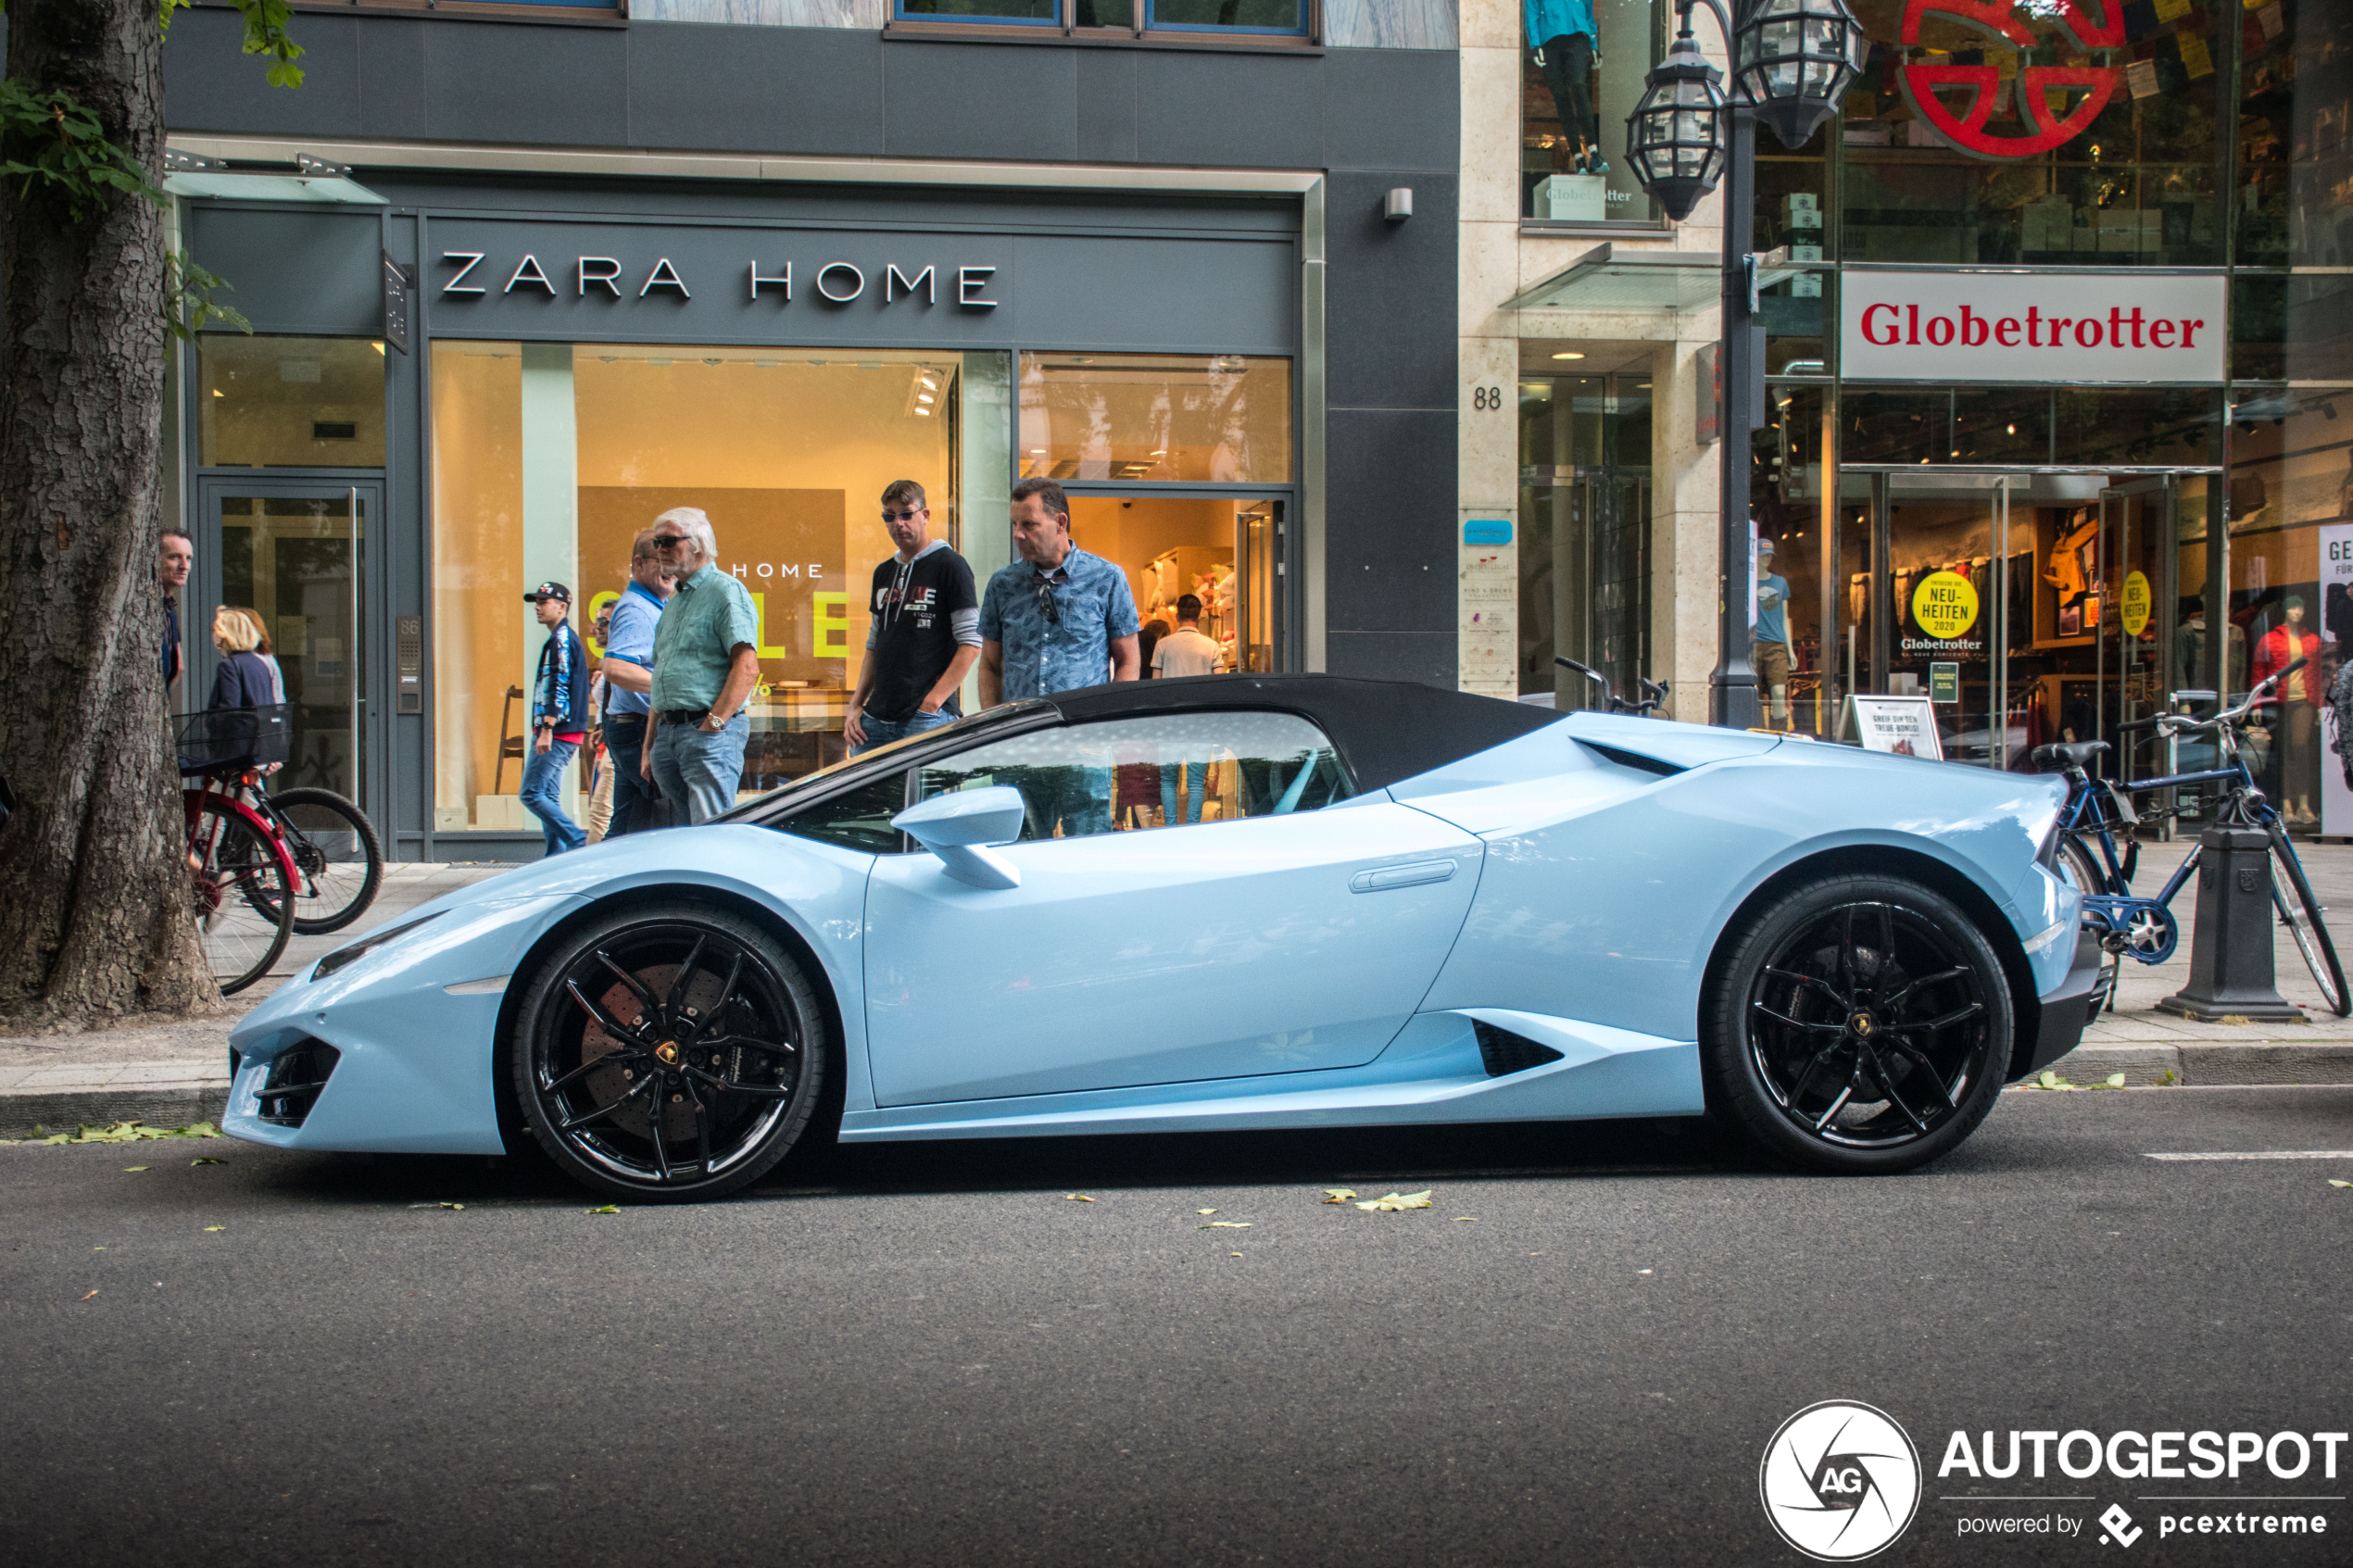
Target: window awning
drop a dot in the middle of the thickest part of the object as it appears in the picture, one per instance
(336, 189)
(1649, 280)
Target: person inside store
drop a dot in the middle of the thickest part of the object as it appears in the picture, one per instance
(1771, 638)
(1563, 35)
(628, 669)
(706, 663)
(558, 717)
(1059, 618)
(1148, 643)
(1186, 651)
(178, 554)
(924, 635)
(1055, 621)
(2296, 719)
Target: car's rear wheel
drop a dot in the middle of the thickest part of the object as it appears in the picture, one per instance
(1859, 1025)
(669, 1054)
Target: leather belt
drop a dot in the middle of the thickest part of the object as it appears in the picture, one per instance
(685, 715)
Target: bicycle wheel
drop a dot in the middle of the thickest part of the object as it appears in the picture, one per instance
(243, 906)
(2300, 912)
(336, 851)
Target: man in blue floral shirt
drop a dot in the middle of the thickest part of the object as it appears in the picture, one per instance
(1058, 619)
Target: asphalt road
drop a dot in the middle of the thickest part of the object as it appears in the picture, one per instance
(929, 1354)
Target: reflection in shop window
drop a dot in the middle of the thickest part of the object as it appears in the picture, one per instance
(1217, 550)
(1144, 417)
(2057, 134)
(290, 402)
(1173, 769)
(1581, 68)
(549, 458)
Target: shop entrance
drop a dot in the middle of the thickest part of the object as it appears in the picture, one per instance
(295, 555)
(1225, 551)
(2033, 603)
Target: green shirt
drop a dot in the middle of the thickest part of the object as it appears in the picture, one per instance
(705, 620)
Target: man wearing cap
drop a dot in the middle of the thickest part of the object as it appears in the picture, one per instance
(558, 716)
(706, 663)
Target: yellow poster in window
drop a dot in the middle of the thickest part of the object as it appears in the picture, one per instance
(2196, 61)
(1944, 605)
(2172, 10)
(2136, 603)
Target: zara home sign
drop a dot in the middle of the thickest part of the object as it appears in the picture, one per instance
(2073, 328)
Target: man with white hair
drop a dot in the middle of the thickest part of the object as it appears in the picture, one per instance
(706, 663)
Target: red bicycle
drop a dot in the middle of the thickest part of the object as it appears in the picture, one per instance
(243, 872)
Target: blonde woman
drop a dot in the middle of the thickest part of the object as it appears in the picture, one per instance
(269, 655)
(244, 678)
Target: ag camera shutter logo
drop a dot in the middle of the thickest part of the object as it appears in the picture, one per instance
(1840, 1481)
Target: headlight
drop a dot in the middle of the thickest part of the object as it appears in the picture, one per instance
(343, 957)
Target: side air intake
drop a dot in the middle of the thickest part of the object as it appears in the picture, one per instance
(1505, 1052)
(295, 1079)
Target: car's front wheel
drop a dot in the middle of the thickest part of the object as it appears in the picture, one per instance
(1859, 1024)
(669, 1053)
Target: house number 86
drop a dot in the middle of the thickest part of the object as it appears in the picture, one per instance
(1487, 397)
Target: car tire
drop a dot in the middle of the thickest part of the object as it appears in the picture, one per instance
(1856, 1025)
(668, 1054)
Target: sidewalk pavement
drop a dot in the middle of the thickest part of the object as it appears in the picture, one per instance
(167, 1076)
(171, 1074)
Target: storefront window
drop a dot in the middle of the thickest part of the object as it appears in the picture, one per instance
(1140, 418)
(290, 402)
(2295, 136)
(1785, 497)
(1585, 527)
(1576, 91)
(1217, 550)
(2035, 144)
(549, 458)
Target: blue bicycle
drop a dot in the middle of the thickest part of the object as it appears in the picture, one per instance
(2098, 811)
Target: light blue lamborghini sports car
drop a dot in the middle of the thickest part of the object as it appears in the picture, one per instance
(1229, 902)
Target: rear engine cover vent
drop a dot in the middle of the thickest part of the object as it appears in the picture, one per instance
(1504, 1051)
(296, 1078)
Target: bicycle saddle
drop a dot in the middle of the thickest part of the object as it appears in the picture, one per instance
(2074, 756)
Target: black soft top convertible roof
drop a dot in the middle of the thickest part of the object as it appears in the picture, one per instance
(1387, 730)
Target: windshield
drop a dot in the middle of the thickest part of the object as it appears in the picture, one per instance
(878, 759)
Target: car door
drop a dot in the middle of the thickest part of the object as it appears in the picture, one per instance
(1188, 908)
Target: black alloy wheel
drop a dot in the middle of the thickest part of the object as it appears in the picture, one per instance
(1861, 1024)
(669, 1054)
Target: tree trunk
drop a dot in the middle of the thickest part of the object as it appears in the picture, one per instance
(94, 899)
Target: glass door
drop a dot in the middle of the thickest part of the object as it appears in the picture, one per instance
(296, 557)
(1220, 557)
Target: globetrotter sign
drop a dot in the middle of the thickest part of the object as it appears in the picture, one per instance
(2070, 328)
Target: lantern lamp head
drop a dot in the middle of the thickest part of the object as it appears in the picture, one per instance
(1794, 59)
(1676, 139)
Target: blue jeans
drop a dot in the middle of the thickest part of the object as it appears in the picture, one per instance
(631, 796)
(701, 770)
(543, 778)
(882, 732)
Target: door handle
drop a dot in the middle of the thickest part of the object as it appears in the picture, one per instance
(1413, 875)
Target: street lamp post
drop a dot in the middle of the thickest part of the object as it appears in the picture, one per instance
(1793, 61)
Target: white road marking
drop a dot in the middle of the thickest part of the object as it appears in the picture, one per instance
(2265, 1154)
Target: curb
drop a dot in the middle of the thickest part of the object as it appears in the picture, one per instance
(2144, 1064)
(157, 1105)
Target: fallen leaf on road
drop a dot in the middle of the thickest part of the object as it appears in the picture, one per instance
(2332, 1181)
(1466, 1219)
(87, 1298)
(127, 1169)
(207, 1160)
(1230, 1255)
(1223, 1225)
(216, 1227)
(1339, 1194)
(1394, 1201)
(608, 1209)
(1204, 1210)
(1076, 1197)
(2116, 1080)
(453, 1205)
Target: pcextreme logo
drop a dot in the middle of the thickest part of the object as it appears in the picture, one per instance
(1982, 87)
(1840, 1481)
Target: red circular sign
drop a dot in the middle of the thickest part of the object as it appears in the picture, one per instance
(1967, 130)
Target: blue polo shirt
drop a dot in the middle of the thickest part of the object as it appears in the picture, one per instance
(635, 616)
(1093, 608)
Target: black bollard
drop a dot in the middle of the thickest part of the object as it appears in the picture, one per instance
(2231, 973)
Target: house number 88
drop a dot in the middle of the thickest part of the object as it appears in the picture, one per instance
(1487, 397)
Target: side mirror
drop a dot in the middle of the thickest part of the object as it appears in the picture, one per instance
(957, 826)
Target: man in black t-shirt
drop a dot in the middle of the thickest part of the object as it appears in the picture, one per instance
(925, 632)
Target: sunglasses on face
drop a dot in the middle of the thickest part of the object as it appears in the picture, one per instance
(889, 515)
(663, 541)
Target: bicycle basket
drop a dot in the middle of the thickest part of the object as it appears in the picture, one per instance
(235, 737)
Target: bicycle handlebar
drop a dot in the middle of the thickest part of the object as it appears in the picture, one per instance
(2181, 723)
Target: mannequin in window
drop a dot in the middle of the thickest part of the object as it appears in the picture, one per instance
(2298, 713)
(1771, 637)
(1566, 41)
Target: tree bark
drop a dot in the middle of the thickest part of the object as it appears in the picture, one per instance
(95, 912)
